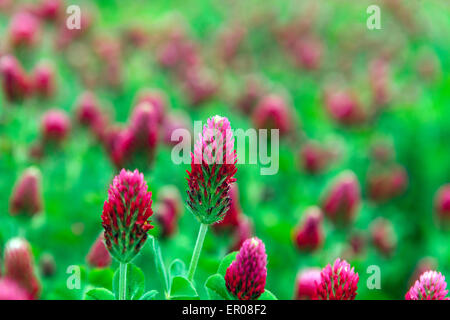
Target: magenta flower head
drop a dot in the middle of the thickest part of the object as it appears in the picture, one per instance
(344, 107)
(44, 80)
(50, 10)
(156, 98)
(341, 200)
(10, 290)
(442, 204)
(126, 214)
(55, 126)
(245, 278)
(169, 209)
(314, 158)
(16, 83)
(24, 29)
(430, 286)
(309, 235)
(338, 282)
(26, 198)
(307, 52)
(273, 112)
(386, 184)
(98, 256)
(306, 285)
(383, 236)
(19, 266)
(213, 167)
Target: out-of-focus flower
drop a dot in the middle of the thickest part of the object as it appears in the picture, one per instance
(306, 284)
(430, 286)
(16, 83)
(47, 265)
(44, 80)
(169, 209)
(10, 290)
(245, 278)
(314, 158)
(338, 282)
(307, 52)
(273, 112)
(90, 114)
(379, 81)
(424, 264)
(428, 65)
(309, 236)
(158, 99)
(386, 184)
(213, 167)
(19, 266)
(98, 256)
(232, 217)
(126, 215)
(442, 204)
(383, 236)
(66, 36)
(50, 10)
(252, 93)
(230, 39)
(341, 201)
(172, 122)
(344, 107)
(55, 126)
(26, 197)
(357, 243)
(24, 29)
(382, 151)
(200, 84)
(242, 232)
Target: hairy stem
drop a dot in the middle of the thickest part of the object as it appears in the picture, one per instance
(123, 281)
(197, 250)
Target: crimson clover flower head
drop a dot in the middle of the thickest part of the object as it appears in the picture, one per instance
(273, 112)
(430, 286)
(10, 290)
(442, 204)
(383, 236)
(306, 285)
(15, 82)
(213, 166)
(169, 209)
(24, 29)
(19, 266)
(341, 201)
(26, 197)
(157, 98)
(98, 255)
(338, 282)
(309, 235)
(245, 278)
(55, 126)
(44, 79)
(126, 214)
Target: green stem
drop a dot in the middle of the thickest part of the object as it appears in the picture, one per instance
(123, 281)
(197, 250)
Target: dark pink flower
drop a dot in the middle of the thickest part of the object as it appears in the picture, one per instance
(307, 52)
(50, 10)
(172, 122)
(314, 158)
(24, 29)
(55, 126)
(11, 290)
(442, 204)
(200, 84)
(245, 278)
(344, 107)
(158, 99)
(383, 236)
(341, 201)
(338, 282)
(16, 83)
(232, 217)
(44, 80)
(98, 256)
(386, 184)
(213, 167)
(430, 286)
(126, 215)
(19, 266)
(307, 283)
(169, 209)
(47, 265)
(90, 114)
(424, 264)
(26, 198)
(273, 112)
(309, 235)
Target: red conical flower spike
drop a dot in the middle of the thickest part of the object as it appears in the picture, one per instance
(19, 266)
(55, 126)
(309, 235)
(430, 286)
(213, 167)
(16, 83)
(341, 201)
(338, 282)
(126, 215)
(24, 29)
(10, 290)
(98, 256)
(442, 204)
(245, 278)
(44, 80)
(273, 112)
(26, 197)
(383, 236)
(306, 284)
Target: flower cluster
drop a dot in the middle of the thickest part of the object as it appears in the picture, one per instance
(430, 286)
(245, 278)
(126, 214)
(338, 282)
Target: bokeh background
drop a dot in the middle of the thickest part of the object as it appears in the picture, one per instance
(370, 101)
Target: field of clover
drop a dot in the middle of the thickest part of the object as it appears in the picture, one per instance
(94, 206)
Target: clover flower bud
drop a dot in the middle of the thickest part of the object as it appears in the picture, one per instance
(309, 235)
(306, 284)
(55, 126)
(98, 256)
(430, 286)
(16, 83)
(26, 198)
(338, 282)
